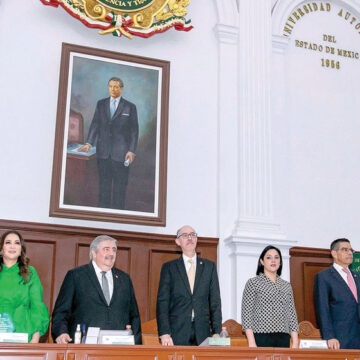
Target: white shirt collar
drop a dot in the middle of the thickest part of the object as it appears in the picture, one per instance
(342, 273)
(339, 267)
(186, 258)
(97, 269)
(186, 263)
(117, 100)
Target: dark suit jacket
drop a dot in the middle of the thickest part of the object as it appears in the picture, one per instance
(115, 136)
(336, 308)
(175, 301)
(81, 301)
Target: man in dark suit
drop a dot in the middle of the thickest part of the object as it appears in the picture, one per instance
(188, 308)
(97, 295)
(114, 130)
(336, 296)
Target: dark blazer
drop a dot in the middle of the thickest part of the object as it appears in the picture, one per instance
(337, 311)
(81, 301)
(115, 136)
(175, 301)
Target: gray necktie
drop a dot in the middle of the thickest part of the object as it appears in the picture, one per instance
(105, 287)
(112, 107)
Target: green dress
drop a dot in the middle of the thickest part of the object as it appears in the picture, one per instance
(23, 301)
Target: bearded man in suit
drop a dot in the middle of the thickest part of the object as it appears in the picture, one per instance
(188, 308)
(336, 297)
(96, 295)
(115, 131)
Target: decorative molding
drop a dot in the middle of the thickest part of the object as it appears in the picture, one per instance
(280, 43)
(93, 232)
(299, 251)
(227, 34)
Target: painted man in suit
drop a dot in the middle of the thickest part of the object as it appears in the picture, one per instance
(115, 131)
(188, 306)
(336, 296)
(97, 295)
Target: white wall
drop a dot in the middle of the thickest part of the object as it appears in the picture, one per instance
(30, 41)
(316, 138)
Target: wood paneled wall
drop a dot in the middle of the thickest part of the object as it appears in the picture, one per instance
(55, 249)
(305, 263)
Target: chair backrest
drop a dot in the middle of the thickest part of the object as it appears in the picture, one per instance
(308, 331)
(149, 333)
(234, 329)
(149, 327)
(76, 125)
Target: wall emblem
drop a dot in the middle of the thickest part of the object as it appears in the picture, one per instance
(130, 18)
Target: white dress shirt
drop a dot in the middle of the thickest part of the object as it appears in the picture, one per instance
(187, 264)
(108, 275)
(342, 273)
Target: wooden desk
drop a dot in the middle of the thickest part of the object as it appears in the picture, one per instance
(32, 351)
(81, 180)
(142, 352)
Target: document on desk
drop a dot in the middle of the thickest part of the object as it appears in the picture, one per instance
(116, 337)
(313, 344)
(73, 148)
(14, 337)
(211, 341)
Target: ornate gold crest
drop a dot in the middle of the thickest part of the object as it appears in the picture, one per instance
(128, 17)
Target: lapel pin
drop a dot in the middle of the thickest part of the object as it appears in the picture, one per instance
(116, 276)
(200, 262)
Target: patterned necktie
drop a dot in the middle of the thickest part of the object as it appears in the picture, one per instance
(351, 283)
(112, 107)
(191, 274)
(105, 287)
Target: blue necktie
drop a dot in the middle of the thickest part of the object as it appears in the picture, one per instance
(112, 107)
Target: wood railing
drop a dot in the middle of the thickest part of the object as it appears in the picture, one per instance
(142, 352)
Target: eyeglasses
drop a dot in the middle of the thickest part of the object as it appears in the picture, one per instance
(192, 235)
(347, 250)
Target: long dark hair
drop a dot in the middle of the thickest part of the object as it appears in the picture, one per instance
(260, 267)
(23, 261)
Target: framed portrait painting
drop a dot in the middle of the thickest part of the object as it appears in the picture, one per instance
(110, 152)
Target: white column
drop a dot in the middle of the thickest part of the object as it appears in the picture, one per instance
(281, 123)
(226, 32)
(227, 36)
(255, 226)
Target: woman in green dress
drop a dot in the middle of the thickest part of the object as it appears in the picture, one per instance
(21, 294)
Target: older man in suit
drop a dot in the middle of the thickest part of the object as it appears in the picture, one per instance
(97, 295)
(114, 130)
(336, 296)
(188, 306)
